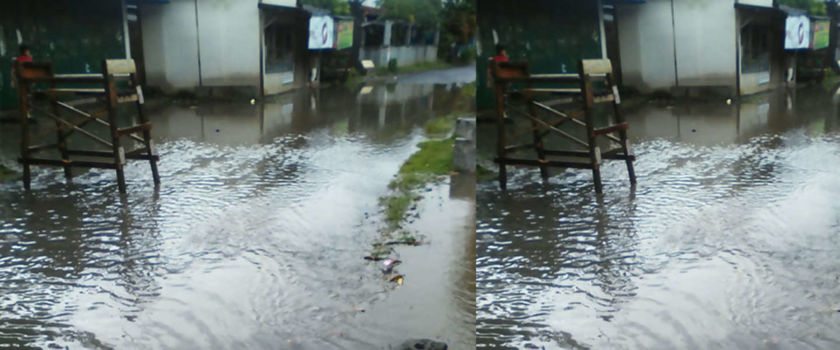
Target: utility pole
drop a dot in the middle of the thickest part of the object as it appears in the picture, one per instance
(831, 9)
(358, 14)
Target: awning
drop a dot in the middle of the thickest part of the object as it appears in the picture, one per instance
(280, 3)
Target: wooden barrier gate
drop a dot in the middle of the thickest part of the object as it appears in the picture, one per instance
(35, 74)
(583, 97)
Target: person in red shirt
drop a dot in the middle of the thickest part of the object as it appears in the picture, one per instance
(501, 54)
(25, 56)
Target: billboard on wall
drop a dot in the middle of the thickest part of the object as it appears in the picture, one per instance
(344, 38)
(321, 32)
(822, 31)
(797, 33)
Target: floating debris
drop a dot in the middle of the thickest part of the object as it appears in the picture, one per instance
(380, 252)
(389, 265)
(398, 279)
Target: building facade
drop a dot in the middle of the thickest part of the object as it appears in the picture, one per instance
(734, 46)
(75, 35)
(251, 47)
(552, 35)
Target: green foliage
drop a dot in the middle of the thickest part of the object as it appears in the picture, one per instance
(814, 7)
(470, 89)
(393, 67)
(422, 12)
(458, 27)
(337, 7)
(439, 126)
(433, 159)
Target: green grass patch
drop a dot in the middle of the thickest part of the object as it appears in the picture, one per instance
(440, 126)
(7, 174)
(484, 174)
(469, 89)
(432, 160)
(830, 81)
(354, 79)
(396, 206)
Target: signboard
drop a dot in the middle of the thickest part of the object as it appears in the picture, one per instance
(321, 32)
(345, 35)
(797, 33)
(822, 31)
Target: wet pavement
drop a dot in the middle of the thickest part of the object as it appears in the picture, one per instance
(729, 240)
(255, 238)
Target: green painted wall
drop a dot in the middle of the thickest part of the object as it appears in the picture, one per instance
(553, 35)
(76, 35)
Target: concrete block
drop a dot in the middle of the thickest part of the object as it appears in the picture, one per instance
(463, 157)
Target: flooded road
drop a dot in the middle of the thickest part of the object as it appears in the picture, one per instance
(729, 240)
(255, 238)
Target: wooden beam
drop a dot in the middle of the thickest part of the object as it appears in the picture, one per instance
(600, 66)
(122, 66)
(107, 154)
(73, 127)
(610, 129)
(134, 129)
(547, 163)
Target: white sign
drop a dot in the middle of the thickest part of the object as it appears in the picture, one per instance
(797, 33)
(321, 32)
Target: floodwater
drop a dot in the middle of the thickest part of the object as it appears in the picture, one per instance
(730, 239)
(254, 239)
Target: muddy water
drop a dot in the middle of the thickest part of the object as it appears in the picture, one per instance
(729, 240)
(255, 238)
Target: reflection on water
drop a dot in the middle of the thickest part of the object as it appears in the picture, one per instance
(729, 239)
(254, 239)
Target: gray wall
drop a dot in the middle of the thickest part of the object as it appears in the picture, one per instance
(405, 55)
(705, 35)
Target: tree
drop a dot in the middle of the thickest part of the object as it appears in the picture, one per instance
(457, 29)
(425, 13)
(337, 7)
(814, 7)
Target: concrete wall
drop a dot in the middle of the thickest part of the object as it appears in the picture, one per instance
(230, 42)
(405, 55)
(220, 49)
(170, 44)
(646, 42)
(704, 32)
(706, 49)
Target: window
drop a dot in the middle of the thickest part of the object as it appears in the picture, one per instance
(755, 42)
(279, 56)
